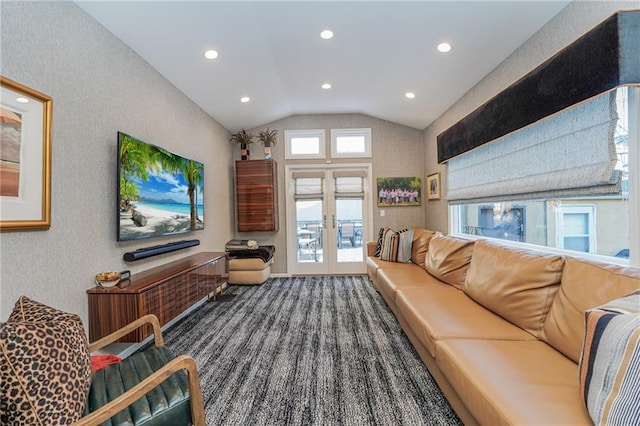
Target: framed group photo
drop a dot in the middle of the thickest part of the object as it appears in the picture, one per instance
(399, 191)
(25, 158)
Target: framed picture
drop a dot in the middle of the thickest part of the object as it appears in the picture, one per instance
(433, 185)
(399, 191)
(25, 158)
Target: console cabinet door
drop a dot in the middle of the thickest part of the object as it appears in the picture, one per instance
(256, 195)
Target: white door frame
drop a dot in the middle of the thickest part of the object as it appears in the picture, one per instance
(310, 268)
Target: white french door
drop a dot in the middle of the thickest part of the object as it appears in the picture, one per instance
(328, 217)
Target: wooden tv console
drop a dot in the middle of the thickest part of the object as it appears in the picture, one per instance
(166, 291)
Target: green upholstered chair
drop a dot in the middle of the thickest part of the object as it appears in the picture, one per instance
(151, 387)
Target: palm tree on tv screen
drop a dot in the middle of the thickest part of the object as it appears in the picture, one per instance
(193, 174)
(134, 161)
(191, 170)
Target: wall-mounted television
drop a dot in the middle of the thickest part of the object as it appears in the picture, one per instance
(159, 192)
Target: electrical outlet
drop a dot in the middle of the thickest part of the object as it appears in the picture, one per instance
(382, 213)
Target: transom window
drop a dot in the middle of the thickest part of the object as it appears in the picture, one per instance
(350, 143)
(301, 144)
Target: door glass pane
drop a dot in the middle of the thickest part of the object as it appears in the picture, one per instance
(309, 230)
(349, 235)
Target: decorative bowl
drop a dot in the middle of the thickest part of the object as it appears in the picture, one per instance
(107, 279)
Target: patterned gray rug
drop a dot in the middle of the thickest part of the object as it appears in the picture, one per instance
(308, 351)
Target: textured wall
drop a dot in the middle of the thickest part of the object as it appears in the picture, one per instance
(397, 151)
(99, 86)
(572, 22)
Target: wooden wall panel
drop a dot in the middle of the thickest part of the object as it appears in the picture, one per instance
(257, 196)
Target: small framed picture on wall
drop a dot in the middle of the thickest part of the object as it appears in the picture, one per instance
(433, 186)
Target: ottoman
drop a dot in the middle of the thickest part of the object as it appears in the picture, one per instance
(249, 270)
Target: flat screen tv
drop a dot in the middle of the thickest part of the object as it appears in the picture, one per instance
(159, 192)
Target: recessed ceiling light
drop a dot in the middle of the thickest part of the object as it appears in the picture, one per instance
(245, 99)
(326, 34)
(444, 47)
(326, 86)
(410, 95)
(211, 54)
(22, 100)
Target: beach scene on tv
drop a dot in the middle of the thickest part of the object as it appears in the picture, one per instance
(161, 193)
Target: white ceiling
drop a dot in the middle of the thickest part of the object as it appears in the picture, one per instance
(272, 52)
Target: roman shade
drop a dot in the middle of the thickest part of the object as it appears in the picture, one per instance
(307, 185)
(572, 153)
(349, 183)
(605, 58)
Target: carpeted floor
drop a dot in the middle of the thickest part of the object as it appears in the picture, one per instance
(307, 351)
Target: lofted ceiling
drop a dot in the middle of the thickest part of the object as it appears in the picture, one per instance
(272, 52)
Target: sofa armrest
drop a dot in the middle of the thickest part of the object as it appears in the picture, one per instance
(371, 248)
(182, 362)
(142, 321)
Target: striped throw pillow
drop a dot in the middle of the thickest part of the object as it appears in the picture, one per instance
(396, 246)
(610, 362)
(380, 239)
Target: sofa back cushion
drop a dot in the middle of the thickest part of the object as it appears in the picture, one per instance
(448, 259)
(584, 286)
(518, 285)
(420, 245)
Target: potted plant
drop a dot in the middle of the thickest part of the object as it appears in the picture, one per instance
(268, 138)
(244, 139)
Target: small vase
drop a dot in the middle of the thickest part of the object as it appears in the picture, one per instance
(244, 151)
(267, 150)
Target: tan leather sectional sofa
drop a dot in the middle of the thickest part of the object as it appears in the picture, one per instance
(499, 329)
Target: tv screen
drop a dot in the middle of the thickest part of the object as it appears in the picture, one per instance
(159, 192)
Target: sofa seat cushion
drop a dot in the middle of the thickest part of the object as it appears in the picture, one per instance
(439, 311)
(373, 264)
(400, 275)
(167, 404)
(513, 382)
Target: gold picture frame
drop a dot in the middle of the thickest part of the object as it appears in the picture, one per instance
(25, 158)
(433, 186)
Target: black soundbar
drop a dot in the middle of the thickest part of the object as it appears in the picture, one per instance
(156, 250)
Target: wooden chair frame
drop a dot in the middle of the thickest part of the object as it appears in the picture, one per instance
(182, 362)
